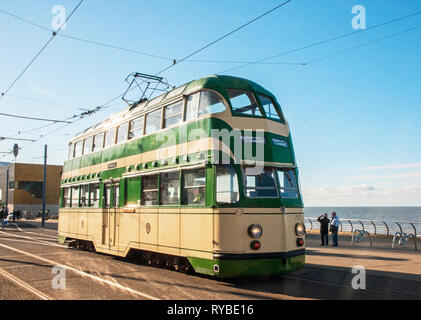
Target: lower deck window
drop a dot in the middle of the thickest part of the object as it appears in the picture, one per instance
(170, 188)
(287, 183)
(67, 197)
(194, 186)
(94, 195)
(226, 185)
(260, 182)
(75, 196)
(150, 190)
(84, 195)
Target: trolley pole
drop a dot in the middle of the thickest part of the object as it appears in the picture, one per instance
(7, 188)
(44, 184)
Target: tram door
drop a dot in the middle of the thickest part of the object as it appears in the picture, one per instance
(109, 215)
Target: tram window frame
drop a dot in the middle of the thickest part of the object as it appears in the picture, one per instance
(194, 104)
(178, 115)
(132, 189)
(148, 191)
(107, 143)
(125, 134)
(257, 188)
(163, 199)
(75, 198)
(91, 138)
(235, 184)
(67, 201)
(275, 107)
(283, 189)
(71, 151)
(147, 116)
(101, 146)
(253, 102)
(84, 191)
(188, 188)
(210, 106)
(141, 129)
(92, 201)
(80, 153)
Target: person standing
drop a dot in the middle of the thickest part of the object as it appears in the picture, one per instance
(334, 228)
(324, 229)
(2, 214)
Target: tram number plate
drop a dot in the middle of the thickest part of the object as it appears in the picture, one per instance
(112, 165)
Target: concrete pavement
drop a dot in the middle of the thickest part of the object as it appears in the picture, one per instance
(28, 255)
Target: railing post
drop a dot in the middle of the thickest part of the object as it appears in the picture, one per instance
(362, 225)
(415, 230)
(387, 228)
(311, 223)
(374, 225)
(400, 228)
(352, 227)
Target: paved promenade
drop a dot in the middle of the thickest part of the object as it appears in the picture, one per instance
(29, 253)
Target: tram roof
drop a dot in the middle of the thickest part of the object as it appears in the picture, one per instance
(215, 82)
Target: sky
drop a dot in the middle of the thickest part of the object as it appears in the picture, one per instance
(354, 117)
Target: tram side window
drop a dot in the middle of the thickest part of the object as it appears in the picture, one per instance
(75, 196)
(226, 185)
(210, 103)
(122, 132)
(84, 195)
(243, 103)
(270, 110)
(67, 192)
(150, 190)
(153, 121)
(173, 114)
(71, 149)
(194, 186)
(94, 195)
(87, 148)
(109, 137)
(170, 188)
(98, 141)
(136, 128)
(260, 182)
(192, 106)
(287, 183)
(78, 148)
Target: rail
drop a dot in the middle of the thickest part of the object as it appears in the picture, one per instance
(374, 227)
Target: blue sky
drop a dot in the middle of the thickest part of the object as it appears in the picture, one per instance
(354, 117)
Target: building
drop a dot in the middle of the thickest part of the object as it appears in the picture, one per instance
(25, 187)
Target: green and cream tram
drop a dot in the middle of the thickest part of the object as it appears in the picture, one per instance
(171, 180)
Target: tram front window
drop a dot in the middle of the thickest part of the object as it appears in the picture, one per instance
(287, 183)
(260, 182)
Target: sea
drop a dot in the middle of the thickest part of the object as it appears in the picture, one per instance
(404, 214)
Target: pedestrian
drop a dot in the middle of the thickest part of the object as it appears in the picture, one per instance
(334, 228)
(324, 229)
(2, 214)
(14, 215)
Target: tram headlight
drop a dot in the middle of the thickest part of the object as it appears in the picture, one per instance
(255, 231)
(300, 229)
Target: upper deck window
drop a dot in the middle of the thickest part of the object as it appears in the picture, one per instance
(243, 102)
(136, 128)
(153, 121)
(78, 148)
(98, 141)
(87, 148)
(109, 137)
(192, 106)
(270, 110)
(173, 114)
(260, 182)
(71, 149)
(210, 103)
(122, 132)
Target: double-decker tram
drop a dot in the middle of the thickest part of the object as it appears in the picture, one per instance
(201, 177)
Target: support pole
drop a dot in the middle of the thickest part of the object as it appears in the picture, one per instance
(44, 184)
(7, 188)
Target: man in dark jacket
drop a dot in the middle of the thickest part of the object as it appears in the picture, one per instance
(324, 229)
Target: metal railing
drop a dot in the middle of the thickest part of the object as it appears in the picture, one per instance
(375, 227)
